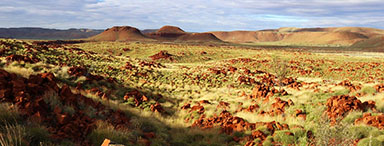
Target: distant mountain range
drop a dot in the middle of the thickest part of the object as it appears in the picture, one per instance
(354, 37)
(52, 34)
(47, 34)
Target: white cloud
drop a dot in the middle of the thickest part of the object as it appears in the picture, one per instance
(192, 15)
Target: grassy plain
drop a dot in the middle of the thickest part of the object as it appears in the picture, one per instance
(207, 76)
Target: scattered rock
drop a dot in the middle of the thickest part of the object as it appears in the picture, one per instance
(379, 88)
(338, 106)
(22, 58)
(278, 107)
(375, 121)
(162, 55)
(30, 97)
(349, 85)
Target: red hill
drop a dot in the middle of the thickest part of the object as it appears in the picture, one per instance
(120, 33)
(248, 36)
(344, 36)
(169, 33)
(371, 44)
(199, 37)
(170, 29)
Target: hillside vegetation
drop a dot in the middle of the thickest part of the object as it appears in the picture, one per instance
(148, 93)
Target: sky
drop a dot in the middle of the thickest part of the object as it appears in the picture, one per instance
(191, 15)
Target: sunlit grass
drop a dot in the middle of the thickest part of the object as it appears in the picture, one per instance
(181, 81)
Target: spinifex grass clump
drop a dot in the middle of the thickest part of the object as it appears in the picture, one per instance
(280, 69)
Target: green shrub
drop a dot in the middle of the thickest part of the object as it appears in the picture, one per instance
(66, 143)
(298, 132)
(368, 90)
(339, 133)
(380, 138)
(352, 116)
(303, 141)
(322, 97)
(257, 140)
(104, 131)
(268, 141)
(280, 69)
(159, 141)
(68, 109)
(314, 116)
(341, 92)
(197, 137)
(282, 137)
(264, 129)
(147, 127)
(179, 143)
(375, 132)
(370, 142)
(52, 99)
(238, 134)
(8, 113)
(363, 131)
(194, 138)
(37, 134)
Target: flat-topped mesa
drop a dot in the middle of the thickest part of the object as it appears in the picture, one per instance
(120, 33)
(248, 36)
(199, 37)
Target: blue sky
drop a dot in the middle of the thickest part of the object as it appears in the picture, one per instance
(192, 15)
